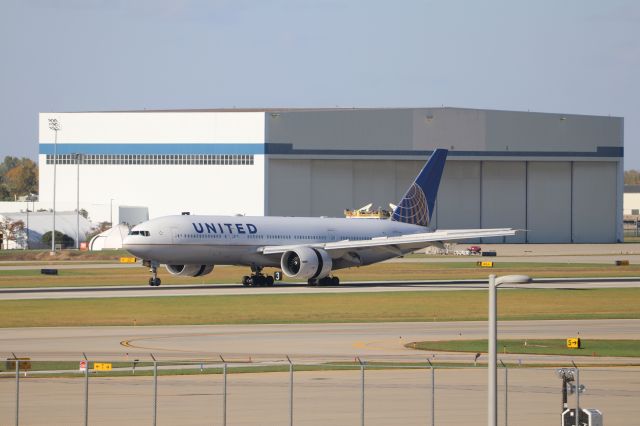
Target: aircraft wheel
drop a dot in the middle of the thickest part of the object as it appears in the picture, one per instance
(246, 280)
(154, 282)
(270, 281)
(335, 281)
(312, 282)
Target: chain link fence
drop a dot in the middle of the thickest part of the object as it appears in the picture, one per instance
(288, 393)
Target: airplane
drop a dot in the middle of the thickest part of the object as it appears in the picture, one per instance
(304, 248)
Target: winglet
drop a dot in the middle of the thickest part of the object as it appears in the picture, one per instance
(416, 207)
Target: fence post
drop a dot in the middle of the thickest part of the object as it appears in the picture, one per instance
(224, 402)
(290, 391)
(86, 391)
(362, 365)
(155, 389)
(17, 391)
(433, 394)
(224, 391)
(577, 396)
(506, 393)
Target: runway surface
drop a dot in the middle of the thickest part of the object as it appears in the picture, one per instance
(302, 342)
(347, 287)
(331, 397)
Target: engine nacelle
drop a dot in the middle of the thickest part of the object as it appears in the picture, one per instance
(189, 270)
(306, 263)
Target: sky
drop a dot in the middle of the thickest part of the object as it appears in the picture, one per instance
(568, 56)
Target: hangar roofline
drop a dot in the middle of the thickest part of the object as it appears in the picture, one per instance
(329, 109)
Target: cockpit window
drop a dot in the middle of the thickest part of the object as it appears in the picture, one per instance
(142, 233)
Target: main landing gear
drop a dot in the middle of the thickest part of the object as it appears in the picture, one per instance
(324, 281)
(154, 281)
(257, 278)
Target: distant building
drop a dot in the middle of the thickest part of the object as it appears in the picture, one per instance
(632, 200)
(39, 223)
(559, 176)
(110, 239)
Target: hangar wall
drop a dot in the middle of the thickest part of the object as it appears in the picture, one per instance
(556, 202)
(184, 185)
(549, 202)
(556, 175)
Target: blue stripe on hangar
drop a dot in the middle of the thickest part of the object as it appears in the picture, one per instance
(601, 151)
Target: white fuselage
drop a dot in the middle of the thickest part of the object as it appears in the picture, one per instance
(237, 240)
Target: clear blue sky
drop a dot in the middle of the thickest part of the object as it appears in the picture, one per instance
(571, 56)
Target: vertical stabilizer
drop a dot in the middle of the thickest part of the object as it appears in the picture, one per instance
(416, 207)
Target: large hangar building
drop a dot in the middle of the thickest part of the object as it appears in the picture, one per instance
(559, 176)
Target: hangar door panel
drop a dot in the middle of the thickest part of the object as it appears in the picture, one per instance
(289, 186)
(331, 187)
(458, 202)
(504, 198)
(406, 172)
(549, 202)
(594, 202)
(373, 182)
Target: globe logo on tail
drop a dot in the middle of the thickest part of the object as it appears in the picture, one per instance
(413, 208)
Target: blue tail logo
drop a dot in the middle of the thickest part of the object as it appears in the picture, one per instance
(416, 207)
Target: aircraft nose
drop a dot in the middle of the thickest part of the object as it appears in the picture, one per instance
(126, 242)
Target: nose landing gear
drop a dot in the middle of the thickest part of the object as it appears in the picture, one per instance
(154, 281)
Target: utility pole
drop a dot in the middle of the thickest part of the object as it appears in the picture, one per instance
(78, 159)
(55, 126)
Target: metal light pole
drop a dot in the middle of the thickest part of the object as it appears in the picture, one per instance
(111, 211)
(492, 418)
(26, 245)
(78, 159)
(55, 126)
(290, 391)
(86, 391)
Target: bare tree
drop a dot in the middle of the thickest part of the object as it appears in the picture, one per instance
(11, 230)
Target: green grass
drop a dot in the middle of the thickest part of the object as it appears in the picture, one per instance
(514, 304)
(428, 270)
(64, 365)
(67, 254)
(181, 370)
(195, 370)
(590, 347)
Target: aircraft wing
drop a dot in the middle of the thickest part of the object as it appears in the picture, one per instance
(400, 244)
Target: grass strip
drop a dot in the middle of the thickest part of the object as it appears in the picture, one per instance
(514, 304)
(590, 347)
(396, 271)
(255, 369)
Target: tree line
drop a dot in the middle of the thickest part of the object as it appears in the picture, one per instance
(18, 177)
(632, 177)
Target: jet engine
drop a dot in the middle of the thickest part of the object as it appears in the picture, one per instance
(189, 270)
(306, 263)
